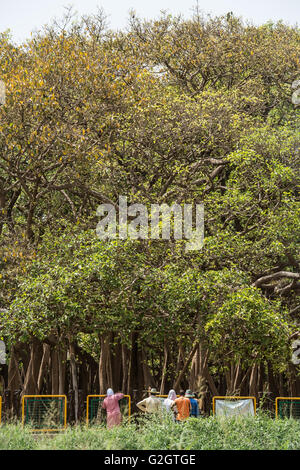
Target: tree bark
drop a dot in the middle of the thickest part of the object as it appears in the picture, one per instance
(54, 371)
(32, 373)
(43, 366)
(62, 358)
(125, 360)
(14, 377)
(164, 370)
(187, 363)
(74, 379)
(253, 381)
(104, 370)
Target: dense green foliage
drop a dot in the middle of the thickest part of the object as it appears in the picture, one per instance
(260, 433)
(171, 111)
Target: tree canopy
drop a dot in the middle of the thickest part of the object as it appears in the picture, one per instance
(169, 111)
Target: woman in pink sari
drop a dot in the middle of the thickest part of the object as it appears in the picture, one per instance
(111, 405)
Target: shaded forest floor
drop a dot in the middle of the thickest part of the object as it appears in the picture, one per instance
(259, 433)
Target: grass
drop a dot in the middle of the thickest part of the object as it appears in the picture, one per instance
(155, 433)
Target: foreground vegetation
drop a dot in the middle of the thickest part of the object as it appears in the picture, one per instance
(259, 433)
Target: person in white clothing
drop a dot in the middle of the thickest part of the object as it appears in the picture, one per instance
(169, 401)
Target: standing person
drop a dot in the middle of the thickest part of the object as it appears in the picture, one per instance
(169, 401)
(152, 404)
(111, 405)
(194, 404)
(200, 401)
(183, 406)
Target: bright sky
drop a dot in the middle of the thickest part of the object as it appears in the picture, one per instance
(23, 16)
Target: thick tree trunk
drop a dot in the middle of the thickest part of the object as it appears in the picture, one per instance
(186, 365)
(32, 373)
(164, 369)
(125, 365)
(253, 381)
(133, 377)
(43, 366)
(54, 371)
(104, 379)
(139, 374)
(236, 389)
(210, 382)
(148, 379)
(14, 377)
(116, 366)
(74, 380)
(200, 376)
(62, 360)
(179, 361)
(232, 376)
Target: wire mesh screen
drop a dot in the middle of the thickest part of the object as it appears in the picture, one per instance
(97, 415)
(288, 408)
(45, 413)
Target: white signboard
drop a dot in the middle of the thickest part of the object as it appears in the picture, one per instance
(234, 407)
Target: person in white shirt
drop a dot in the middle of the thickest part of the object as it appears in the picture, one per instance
(152, 404)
